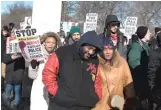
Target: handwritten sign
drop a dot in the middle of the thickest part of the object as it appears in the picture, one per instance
(130, 25)
(91, 22)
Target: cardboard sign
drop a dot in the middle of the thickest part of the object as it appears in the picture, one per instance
(12, 45)
(131, 21)
(89, 27)
(130, 25)
(91, 22)
(30, 44)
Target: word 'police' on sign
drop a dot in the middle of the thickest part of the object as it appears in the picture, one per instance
(30, 44)
(12, 46)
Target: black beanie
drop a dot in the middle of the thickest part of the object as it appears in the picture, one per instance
(141, 31)
(157, 29)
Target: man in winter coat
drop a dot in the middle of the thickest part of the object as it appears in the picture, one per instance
(116, 77)
(154, 73)
(15, 65)
(74, 35)
(153, 42)
(138, 61)
(112, 31)
(39, 100)
(69, 75)
(4, 34)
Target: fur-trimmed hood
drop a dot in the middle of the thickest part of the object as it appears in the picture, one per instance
(53, 34)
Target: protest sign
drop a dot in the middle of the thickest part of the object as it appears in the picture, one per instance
(30, 44)
(91, 22)
(130, 25)
(12, 46)
(28, 21)
(48, 19)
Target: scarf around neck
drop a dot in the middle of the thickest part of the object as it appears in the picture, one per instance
(114, 38)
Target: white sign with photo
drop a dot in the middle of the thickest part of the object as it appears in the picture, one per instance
(29, 44)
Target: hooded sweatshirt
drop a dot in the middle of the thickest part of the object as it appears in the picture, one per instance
(69, 79)
(116, 38)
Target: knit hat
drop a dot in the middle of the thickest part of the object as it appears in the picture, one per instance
(74, 29)
(141, 31)
(108, 42)
(157, 29)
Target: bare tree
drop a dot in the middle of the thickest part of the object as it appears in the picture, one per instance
(148, 12)
(103, 8)
(15, 13)
(68, 8)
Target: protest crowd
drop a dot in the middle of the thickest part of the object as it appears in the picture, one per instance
(81, 71)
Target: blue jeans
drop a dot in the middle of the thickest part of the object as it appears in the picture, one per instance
(16, 90)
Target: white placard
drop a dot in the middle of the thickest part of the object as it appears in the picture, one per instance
(45, 16)
(91, 22)
(91, 18)
(28, 21)
(130, 25)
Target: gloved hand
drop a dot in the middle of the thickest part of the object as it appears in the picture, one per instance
(34, 63)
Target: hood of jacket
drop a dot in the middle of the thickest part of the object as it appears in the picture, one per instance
(91, 38)
(111, 18)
